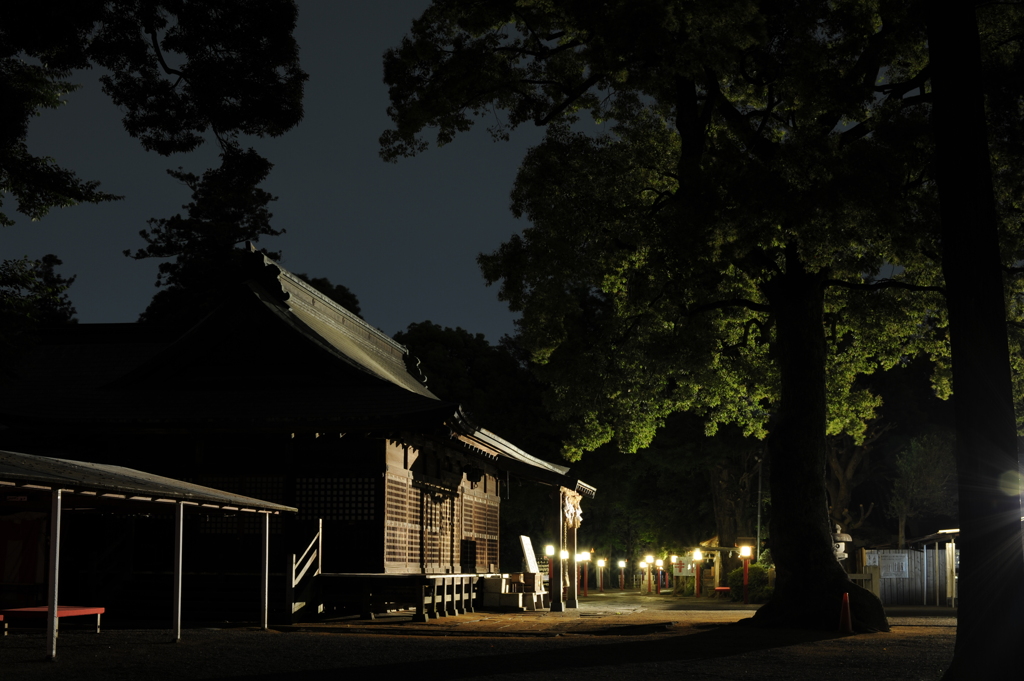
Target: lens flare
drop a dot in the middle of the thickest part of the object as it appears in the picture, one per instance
(1009, 483)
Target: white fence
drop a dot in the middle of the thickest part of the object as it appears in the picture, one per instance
(910, 576)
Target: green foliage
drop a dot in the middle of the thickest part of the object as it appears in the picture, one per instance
(36, 183)
(744, 227)
(758, 590)
(32, 293)
(491, 382)
(642, 282)
(924, 479)
(180, 72)
(236, 72)
(227, 209)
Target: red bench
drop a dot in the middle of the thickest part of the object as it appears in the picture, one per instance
(40, 612)
(722, 591)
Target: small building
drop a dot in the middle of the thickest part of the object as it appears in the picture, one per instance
(282, 395)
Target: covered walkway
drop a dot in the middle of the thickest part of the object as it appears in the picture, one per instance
(36, 483)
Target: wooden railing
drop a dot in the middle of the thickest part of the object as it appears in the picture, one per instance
(870, 579)
(300, 566)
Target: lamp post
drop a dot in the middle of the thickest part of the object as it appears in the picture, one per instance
(697, 557)
(643, 566)
(600, 574)
(674, 560)
(622, 575)
(650, 564)
(660, 564)
(549, 551)
(745, 555)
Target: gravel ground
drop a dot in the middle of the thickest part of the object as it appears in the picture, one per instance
(608, 638)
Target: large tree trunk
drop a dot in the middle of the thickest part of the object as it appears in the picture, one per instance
(990, 630)
(810, 582)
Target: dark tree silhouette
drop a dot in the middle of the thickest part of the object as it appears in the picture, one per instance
(990, 630)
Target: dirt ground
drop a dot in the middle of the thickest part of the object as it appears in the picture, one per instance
(609, 636)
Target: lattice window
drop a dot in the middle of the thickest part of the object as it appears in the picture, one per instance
(402, 526)
(336, 498)
(480, 530)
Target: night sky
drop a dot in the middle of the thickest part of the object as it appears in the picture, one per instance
(403, 237)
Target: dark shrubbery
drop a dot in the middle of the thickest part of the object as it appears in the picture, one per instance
(757, 584)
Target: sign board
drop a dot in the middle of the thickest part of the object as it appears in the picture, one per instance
(531, 557)
(894, 565)
(682, 570)
(871, 558)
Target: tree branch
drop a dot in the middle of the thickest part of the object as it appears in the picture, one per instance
(884, 284)
(160, 56)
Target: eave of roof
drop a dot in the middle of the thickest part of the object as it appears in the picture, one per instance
(506, 455)
(28, 471)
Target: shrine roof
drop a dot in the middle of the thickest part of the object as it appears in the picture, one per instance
(275, 354)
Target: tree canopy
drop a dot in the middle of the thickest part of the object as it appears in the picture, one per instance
(31, 293)
(708, 239)
(183, 73)
(180, 71)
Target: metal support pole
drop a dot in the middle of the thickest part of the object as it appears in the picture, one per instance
(746, 590)
(179, 525)
(757, 548)
(54, 576)
(265, 573)
(924, 575)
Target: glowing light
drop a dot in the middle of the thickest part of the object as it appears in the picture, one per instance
(1009, 483)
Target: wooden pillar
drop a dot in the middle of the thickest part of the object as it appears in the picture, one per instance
(558, 565)
(421, 596)
(572, 599)
(265, 573)
(179, 526)
(54, 576)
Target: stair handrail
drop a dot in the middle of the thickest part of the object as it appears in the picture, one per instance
(309, 556)
(316, 556)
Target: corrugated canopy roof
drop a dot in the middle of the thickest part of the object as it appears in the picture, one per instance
(42, 472)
